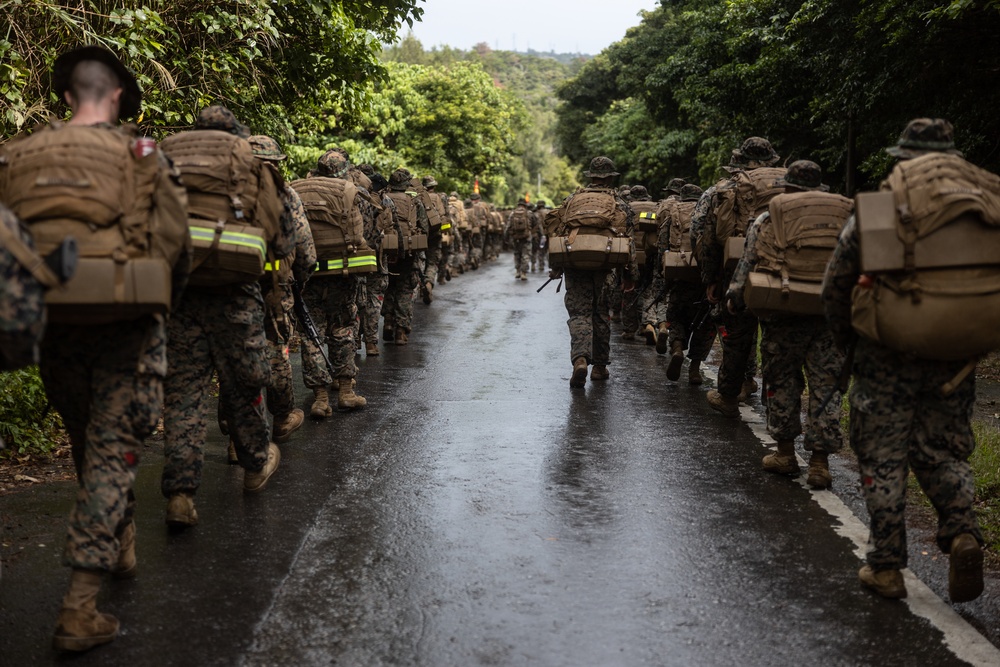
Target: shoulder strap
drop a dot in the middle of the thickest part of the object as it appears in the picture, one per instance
(28, 258)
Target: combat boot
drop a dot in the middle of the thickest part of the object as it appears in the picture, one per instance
(694, 372)
(371, 349)
(80, 626)
(748, 389)
(256, 481)
(427, 292)
(650, 333)
(285, 426)
(231, 453)
(616, 316)
(321, 403)
(126, 566)
(662, 333)
(181, 512)
(579, 377)
(599, 373)
(532, 267)
(401, 337)
(727, 405)
(783, 461)
(819, 471)
(388, 333)
(965, 572)
(887, 583)
(524, 276)
(676, 361)
(347, 399)
(628, 335)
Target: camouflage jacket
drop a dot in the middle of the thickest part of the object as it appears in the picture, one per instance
(747, 262)
(22, 306)
(709, 253)
(842, 275)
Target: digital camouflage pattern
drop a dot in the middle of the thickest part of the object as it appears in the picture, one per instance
(332, 303)
(218, 117)
(22, 303)
(587, 307)
(685, 304)
(220, 332)
(397, 307)
(900, 420)
(106, 382)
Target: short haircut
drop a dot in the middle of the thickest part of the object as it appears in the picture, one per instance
(92, 81)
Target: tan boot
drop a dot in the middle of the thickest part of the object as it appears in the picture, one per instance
(676, 361)
(347, 399)
(181, 512)
(126, 567)
(80, 626)
(401, 337)
(748, 389)
(231, 456)
(321, 403)
(783, 461)
(427, 292)
(284, 427)
(628, 335)
(371, 349)
(887, 583)
(662, 333)
(694, 372)
(727, 405)
(579, 377)
(256, 481)
(599, 373)
(819, 471)
(650, 333)
(965, 573)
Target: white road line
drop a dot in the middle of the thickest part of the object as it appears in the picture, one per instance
(961, 638)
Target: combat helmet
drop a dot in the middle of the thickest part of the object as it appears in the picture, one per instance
(803, 175)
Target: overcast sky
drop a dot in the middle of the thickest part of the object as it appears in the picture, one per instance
(565, 26)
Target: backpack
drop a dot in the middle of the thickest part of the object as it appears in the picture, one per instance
(406, 236)
(930, 241)
(337, 226)
(645, 215)
(24, 276)
(234, 205)
(745, 196)
(678, 262)
(593, 208)
(588, 232)
(121, 203)
(520, 223)
(431, 203)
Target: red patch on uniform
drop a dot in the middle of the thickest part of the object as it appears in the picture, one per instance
(867, 481)
(257, 401)
(723, 332)
(131, 459)
(771, 393)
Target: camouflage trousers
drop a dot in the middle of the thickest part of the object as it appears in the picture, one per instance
(332, 303)
(538, 254)
(370, 305)
(901, 420)
(106, 382)
(685, 304)
(445, 261)
(280, 391)
(739, 352)
(589, 329)
(221, 332)
(613, 293)
(398, 306)
(521, 249)
(787, 345)
(654, 312)
(434, 254)
(476, 247)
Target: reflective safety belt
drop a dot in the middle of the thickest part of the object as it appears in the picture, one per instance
(276, 266)
(445, 225)
(647, 215)
(352, 263)
(229, 238)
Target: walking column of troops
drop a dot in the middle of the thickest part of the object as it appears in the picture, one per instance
(159, 267)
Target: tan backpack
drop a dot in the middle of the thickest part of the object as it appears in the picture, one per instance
(337, 226)
(520, 223)
(234, 205)
(746, 196)
(646, 219)
(593, 208)
(123, 207)
(678, 261)
(588, 232)
(931, 243)
(406, 236)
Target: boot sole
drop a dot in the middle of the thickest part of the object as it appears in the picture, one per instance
(260, 487)
(179, 521)
(965, 574)
(579, 378)
(282, 437)
(674, 369)
(80, 644)
(661, 344)
(890, 593)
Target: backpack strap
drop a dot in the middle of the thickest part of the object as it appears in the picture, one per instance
(28, 258)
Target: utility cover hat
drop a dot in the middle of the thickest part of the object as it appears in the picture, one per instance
(332, 164)
(62, 73)
(601, 167)
(755, 150)
(266, 148)
(218, 117)
(675, 185)
(803, 175)
(690, 192)
(922, 136)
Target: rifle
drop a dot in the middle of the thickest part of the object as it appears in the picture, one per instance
(704, 310)
(843, 380)
(546, 284)
(309, 327)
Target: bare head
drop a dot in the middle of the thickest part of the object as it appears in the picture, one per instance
(96, 86)
(93, 83)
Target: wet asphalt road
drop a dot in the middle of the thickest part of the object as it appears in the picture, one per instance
(481, 513)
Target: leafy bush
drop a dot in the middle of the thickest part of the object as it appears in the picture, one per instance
(26, 425)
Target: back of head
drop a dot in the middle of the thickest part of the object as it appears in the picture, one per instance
(91, 74)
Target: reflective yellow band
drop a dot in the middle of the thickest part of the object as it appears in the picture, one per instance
(352, 262)
(445, 226)
(275, 267)
(647, 215)
(207, 234)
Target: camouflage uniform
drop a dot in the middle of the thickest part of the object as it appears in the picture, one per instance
(538, 251)
(435, 251)
(221, 330)
(375, 284)
(22, 304)
(521, 245)
(480, 226)
(791, 342)
(404, 277)
(900, 419)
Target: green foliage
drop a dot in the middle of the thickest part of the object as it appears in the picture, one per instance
(24, 424)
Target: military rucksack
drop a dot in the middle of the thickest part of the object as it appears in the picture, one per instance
(589, 232)
(234, 205)
(520, 223)
(930, 243)
(745, 196)
(337, 226)
(646, 215)
(108, 190)
(593, 208)
(406, 237)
